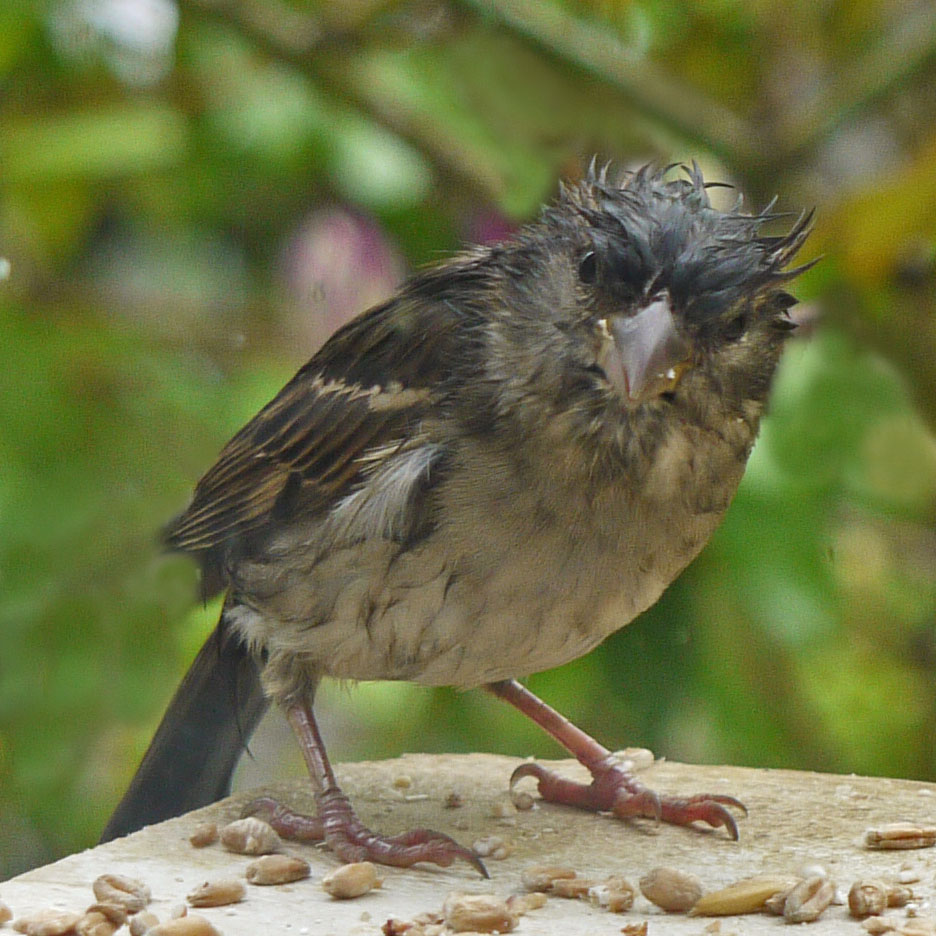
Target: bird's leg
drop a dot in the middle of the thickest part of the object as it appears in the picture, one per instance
(613, 787)
(338, 824)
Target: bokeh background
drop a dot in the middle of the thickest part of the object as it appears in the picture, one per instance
(195, 193)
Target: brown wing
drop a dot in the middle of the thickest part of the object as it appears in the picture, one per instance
(368, 386)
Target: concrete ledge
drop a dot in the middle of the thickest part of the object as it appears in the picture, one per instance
(796, 819)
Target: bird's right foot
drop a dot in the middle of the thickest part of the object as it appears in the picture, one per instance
(339, 827)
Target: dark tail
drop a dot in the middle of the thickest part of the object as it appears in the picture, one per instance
(190, 761)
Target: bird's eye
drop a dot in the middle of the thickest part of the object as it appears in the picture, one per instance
(588, 268)
(736, 327)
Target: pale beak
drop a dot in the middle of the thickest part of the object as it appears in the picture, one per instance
(643, 355)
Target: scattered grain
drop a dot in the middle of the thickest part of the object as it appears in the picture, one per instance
(47, 923)
(524, 903)
(217, 893)
(747, 896)
(493, 846)
(572, 888)
(635, 929)
(877, 925)
(900, 835)
(522, 800)
(614, 894)
(204, 834)
(142, 922)
(351, 880)
(867, 897)
(277, 869)
(101, 919)
(189, 925)
(502, 809)
(128, 892)
(250, 836)
(671, 889)
(478, 913)
(808, 900)
(542, 877)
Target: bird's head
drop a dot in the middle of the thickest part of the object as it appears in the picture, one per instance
(634, 297)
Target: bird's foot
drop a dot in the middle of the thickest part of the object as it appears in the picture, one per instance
(338, 825)
(288, 824)
(614, 789)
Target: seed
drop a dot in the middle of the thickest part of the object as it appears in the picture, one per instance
(478, 913)
(524, 903)
(898, 895)
(572, 888)
(217, 893)
(542, 877)
(205, 833)
(47, 923)
(502, 809)
(921, 926)
(877, 925)
(635, 758)
(250, 836)
(900, 835)
(808, 899)
(402, 782)
(635, 929)
(6, 914)
(101, 919)
(867, 898)
(674, 890)
(614, 894)
(454, 800)
(777, 902)
(277, 869)
(141, 923)
(351, 880)
(95, 924)
(493, 846)
(747, 896)
(129, 893)
(191, 925)
(522, 800)
(420, 925)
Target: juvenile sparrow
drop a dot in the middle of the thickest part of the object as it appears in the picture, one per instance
(482, 478)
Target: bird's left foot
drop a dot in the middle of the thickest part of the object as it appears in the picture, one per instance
(614, 789)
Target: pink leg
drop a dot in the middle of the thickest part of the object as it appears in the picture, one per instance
(337, 822)
(613, 788)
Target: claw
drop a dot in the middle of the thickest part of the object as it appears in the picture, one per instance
(614, 790)
(351, 840)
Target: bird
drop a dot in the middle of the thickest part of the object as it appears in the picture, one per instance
(481, 478)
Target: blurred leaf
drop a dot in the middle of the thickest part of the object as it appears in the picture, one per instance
(98, 143)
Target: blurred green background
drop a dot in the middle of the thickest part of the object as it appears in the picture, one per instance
(194, 193)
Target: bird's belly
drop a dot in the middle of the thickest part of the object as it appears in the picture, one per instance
(374, 612)
(534, 586)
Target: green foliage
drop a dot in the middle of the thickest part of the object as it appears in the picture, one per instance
(187, 217)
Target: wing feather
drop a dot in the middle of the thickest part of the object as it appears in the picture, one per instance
(369, 386)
